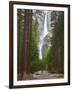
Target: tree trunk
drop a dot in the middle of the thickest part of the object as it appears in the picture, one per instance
(27, 28)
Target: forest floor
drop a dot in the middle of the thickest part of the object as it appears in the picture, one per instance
(45, 75)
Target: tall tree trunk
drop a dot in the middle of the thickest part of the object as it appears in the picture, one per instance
(27, 28)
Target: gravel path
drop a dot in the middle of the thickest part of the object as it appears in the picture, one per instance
(45, 75)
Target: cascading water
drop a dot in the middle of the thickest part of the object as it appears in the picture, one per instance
(45, 32)
(40, 51)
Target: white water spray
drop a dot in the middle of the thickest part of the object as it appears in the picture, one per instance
(45, 32)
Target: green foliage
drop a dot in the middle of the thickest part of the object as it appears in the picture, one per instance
(35, 62)
(55, 55)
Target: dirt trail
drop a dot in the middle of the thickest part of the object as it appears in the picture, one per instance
(45, 75)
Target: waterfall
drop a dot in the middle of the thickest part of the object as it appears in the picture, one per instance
(45, 32)
(45, 26)
(40, 51)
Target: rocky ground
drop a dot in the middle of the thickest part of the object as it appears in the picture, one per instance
(45, 75)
